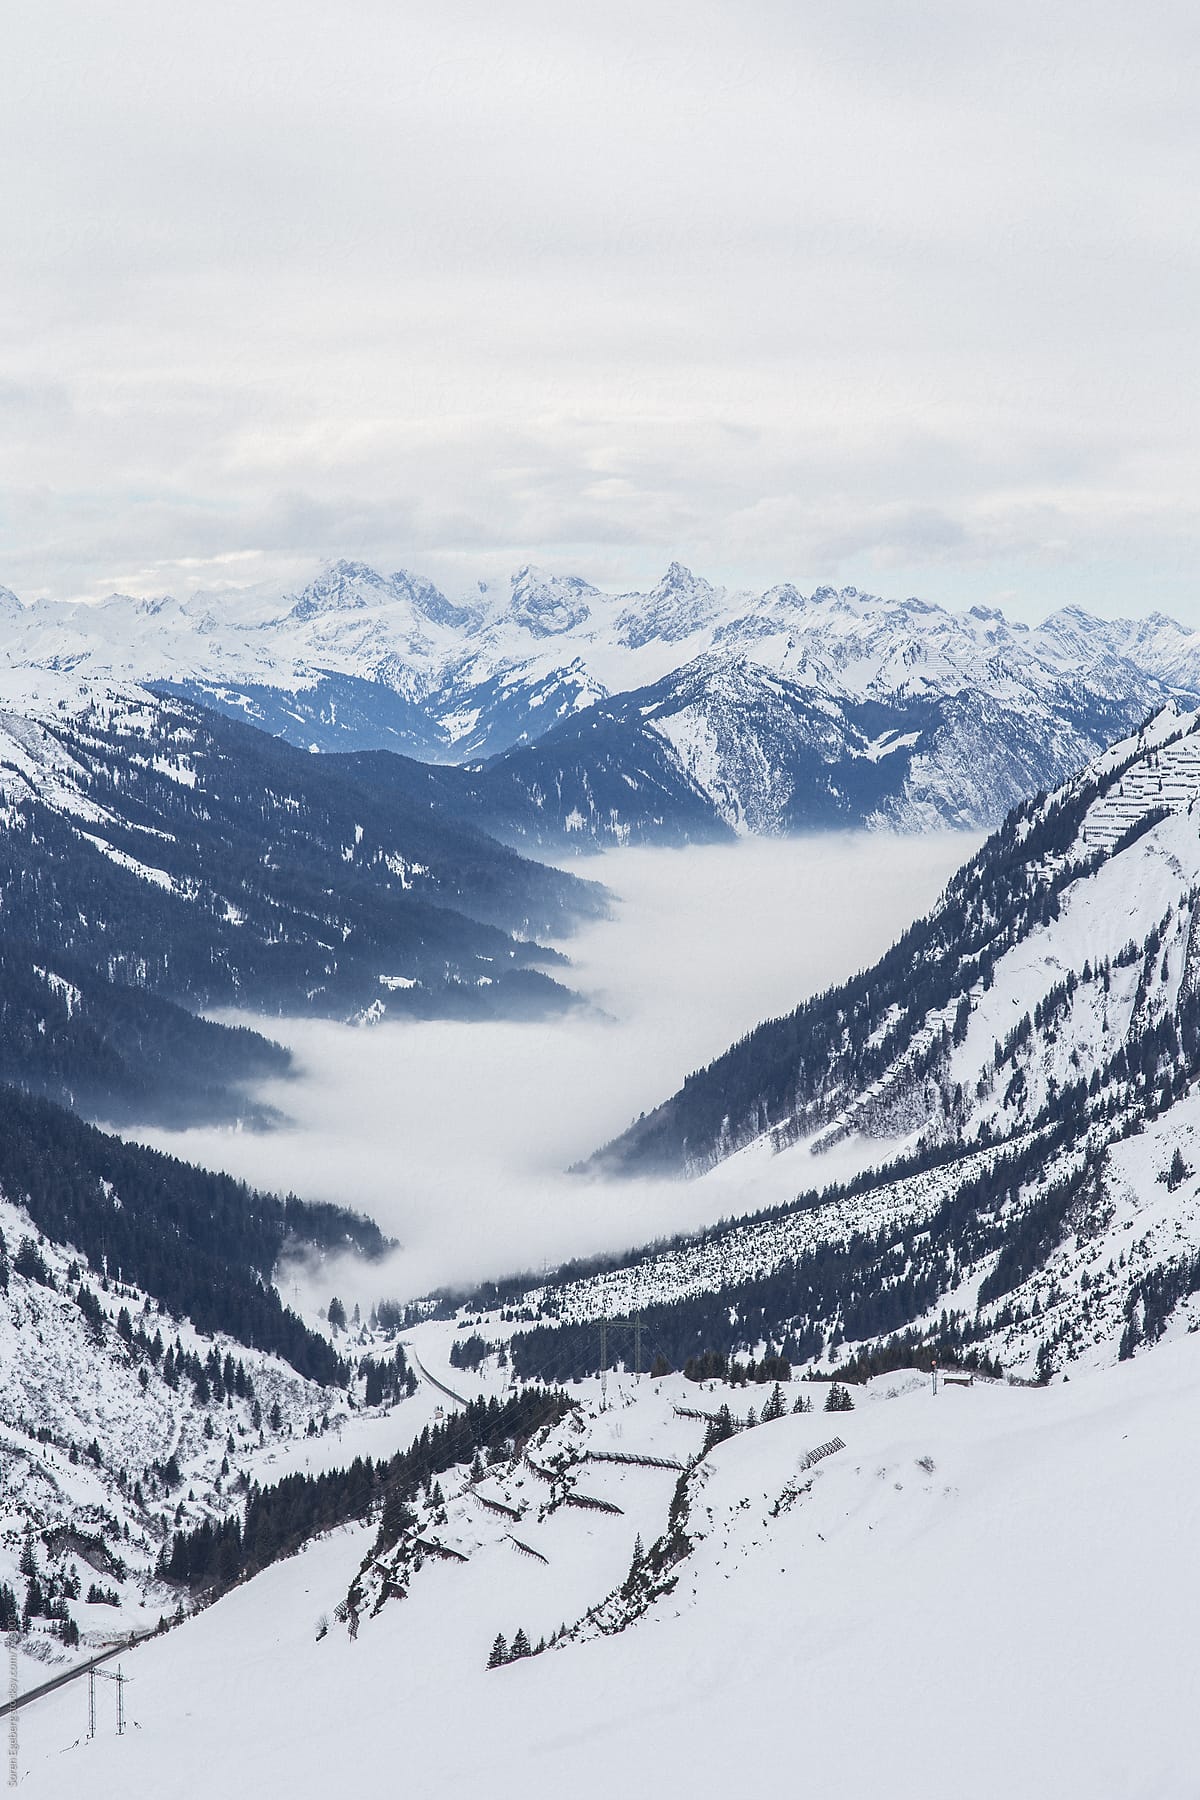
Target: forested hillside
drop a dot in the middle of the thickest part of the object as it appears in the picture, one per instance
(202, 1244)
(156, 859)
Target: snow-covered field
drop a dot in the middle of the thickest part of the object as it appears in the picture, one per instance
(984, 1593)
(456, 1138)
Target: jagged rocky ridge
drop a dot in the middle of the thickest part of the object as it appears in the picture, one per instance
(714, 711)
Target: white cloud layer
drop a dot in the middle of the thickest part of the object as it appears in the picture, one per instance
(457, 1138)
(903, 296)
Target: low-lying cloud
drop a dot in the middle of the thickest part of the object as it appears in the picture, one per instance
(457, 1137)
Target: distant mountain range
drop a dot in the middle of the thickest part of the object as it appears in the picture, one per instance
(686, 713)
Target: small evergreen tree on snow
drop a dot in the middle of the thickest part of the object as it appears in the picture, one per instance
(838, 1399)
(1178, 1171)
(803, 1403)
(34, 1598)
(774, 1407)
(520, 1646)
(499, 1655)
(719, 1428)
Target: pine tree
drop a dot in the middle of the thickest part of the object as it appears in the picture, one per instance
(774, 1408)
(803, 1403)
(34, 1599)
(719, 1428)
(499, 1654)
(520, 1646)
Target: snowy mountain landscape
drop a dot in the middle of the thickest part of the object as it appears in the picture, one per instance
(748, 1447)
(599, 902)
(795, 1559)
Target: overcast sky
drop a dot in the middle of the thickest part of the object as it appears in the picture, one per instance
(904, 296)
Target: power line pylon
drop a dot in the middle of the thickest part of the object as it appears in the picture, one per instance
(634, 1324)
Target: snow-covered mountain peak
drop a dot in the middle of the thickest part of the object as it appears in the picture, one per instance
(979, 711)
(679, 605)
(679, 579)
(549, 605)
(343, 587)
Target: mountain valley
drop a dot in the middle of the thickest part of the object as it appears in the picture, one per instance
(986, 1260)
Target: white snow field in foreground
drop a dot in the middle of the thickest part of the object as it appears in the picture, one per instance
(990, 1593)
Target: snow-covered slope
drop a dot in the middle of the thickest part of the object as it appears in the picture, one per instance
(802, 1633)
(108, 1443)
(1077, 913)
(780, 711)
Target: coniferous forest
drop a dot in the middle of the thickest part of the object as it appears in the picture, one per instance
(204, 1245)
(280, 1518)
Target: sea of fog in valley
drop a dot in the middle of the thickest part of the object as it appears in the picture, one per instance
(457, 1137)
